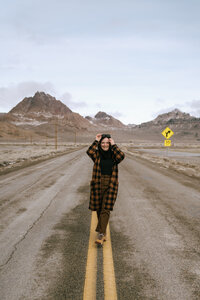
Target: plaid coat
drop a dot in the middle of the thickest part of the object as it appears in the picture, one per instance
(95, 184)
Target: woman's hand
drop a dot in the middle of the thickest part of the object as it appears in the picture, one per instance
(98, 137)
(111, 141)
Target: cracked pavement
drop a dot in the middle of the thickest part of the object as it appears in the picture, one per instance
(45, 222)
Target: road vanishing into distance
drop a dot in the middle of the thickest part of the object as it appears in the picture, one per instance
(47, 248)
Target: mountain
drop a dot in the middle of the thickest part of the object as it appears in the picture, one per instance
(44, 109)
(38, 115)
(104, 120)
(175, 117)
(41, 115)
(41, 103)
(182, 124)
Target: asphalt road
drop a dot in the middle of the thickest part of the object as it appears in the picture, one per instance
(45, 224)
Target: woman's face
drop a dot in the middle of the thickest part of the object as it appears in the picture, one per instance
(105, 144)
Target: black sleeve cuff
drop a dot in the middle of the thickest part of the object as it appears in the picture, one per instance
(113, 146)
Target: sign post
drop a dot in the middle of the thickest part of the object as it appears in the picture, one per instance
(167, 133)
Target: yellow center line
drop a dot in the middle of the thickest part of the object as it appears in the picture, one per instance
(110, 291)
(91, 268)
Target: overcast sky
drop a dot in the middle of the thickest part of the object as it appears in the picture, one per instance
(132, 59)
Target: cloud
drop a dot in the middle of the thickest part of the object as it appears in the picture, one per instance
(13, 94)
(160, 101)
(67, 99)
(194, 107)
(195, 104)
(116, 114)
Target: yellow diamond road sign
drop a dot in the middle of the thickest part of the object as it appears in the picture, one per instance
(167, 133)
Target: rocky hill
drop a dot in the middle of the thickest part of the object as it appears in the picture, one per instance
(42, 104)
(182, 124)
(102, 119)
(44, 109)
(175, 116)
(38, 116)
(41, 115)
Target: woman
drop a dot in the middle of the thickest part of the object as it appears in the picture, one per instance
(104, 184)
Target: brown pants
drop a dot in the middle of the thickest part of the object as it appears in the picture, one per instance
(103, 214)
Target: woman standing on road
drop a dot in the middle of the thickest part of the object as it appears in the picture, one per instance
(104, 184)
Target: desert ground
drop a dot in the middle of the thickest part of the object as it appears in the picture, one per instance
(18, 155)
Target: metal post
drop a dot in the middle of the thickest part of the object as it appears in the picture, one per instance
(167, 151)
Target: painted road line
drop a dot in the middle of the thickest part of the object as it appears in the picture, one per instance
(91, 267)
(110, 291)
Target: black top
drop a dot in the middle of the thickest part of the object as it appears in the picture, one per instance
(106, 166)
(106, 161)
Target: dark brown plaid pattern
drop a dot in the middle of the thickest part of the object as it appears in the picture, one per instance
(95, 184)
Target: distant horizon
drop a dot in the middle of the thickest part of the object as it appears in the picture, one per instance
(92, 115)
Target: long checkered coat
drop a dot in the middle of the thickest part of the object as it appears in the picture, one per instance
(95, 184)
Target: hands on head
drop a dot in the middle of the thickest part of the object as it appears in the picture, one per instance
(111, 141)
(99, 135)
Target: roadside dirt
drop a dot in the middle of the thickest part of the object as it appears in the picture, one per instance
(21, 156)
(184, 165)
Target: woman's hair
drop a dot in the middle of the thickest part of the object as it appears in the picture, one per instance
(102, 138)
(106, 135)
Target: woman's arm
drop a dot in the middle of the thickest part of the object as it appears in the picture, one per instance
(118, 154)
(92, 150)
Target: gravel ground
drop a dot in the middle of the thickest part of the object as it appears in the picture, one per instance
(21, 155)
(188, 164)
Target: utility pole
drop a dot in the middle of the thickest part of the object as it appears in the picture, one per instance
(75, 137)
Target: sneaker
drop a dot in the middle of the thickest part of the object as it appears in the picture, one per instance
(101, 238)
(104, 236)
